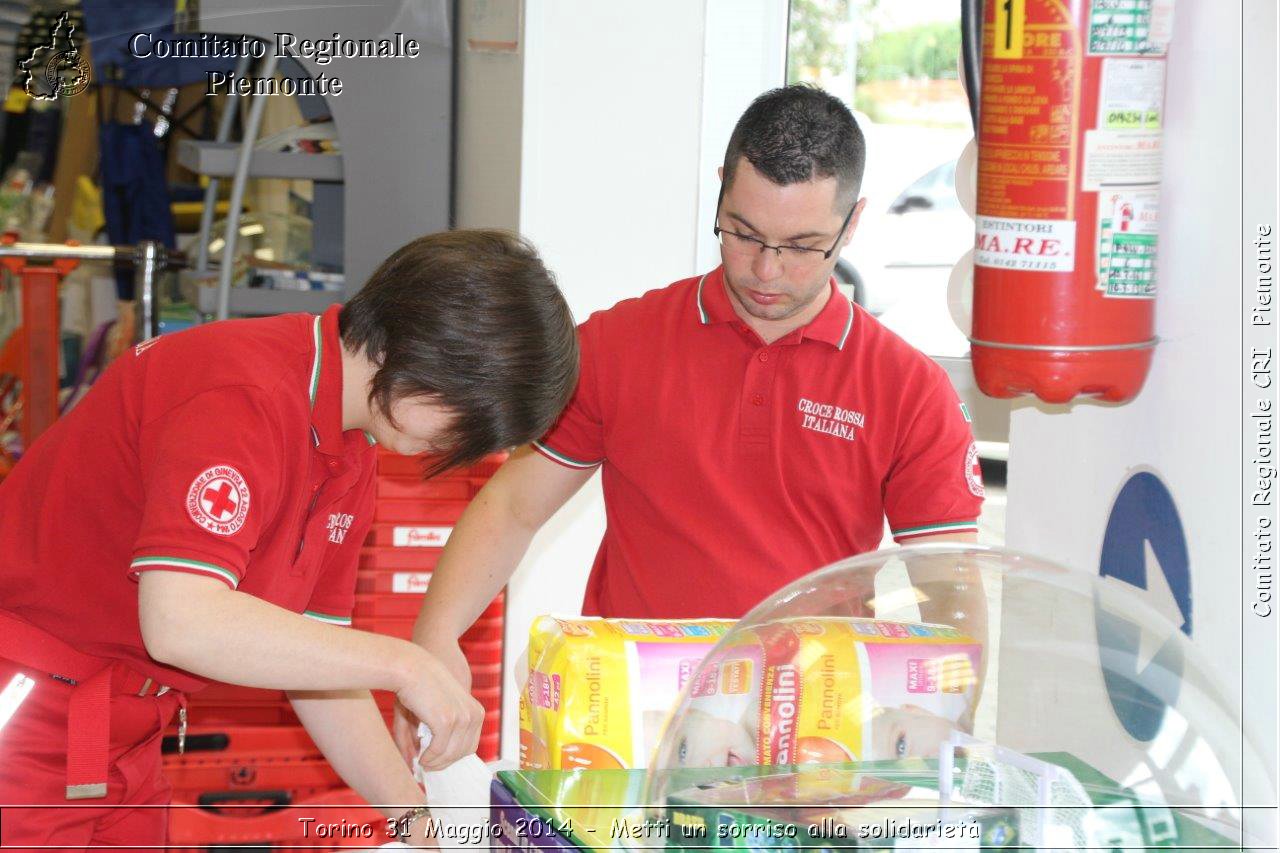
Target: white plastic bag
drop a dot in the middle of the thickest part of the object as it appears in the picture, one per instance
(458, 797)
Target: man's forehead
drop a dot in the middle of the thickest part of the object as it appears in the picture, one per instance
(753, 198)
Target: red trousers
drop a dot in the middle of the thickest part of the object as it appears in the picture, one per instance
(34, 810)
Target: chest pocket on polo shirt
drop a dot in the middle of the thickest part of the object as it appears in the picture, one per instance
(313, 534)
(329, 522)
(312, 542)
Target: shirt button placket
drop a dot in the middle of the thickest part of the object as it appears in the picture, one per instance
(755, 416)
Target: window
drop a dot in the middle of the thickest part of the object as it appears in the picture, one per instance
(896, 63)
(897, 66)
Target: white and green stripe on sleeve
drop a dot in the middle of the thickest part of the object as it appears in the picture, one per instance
(159, 561)
(328, 618)
(567, 461)
(938, 529)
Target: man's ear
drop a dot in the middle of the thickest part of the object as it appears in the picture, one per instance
(853, 220)
(720, 173)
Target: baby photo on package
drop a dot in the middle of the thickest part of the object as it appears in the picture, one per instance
(830, 690)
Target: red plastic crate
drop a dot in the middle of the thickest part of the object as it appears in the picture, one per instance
(490, 698)
(241, 713)
(486, 633)
(489, 651)
(486, 676)
(372, 608)
(408, 582)
(415, 488)
(413, 466)
(487, 646)
(489, 748)
(377, 607)
(487, 629)
(236, 742)
(274, 819)
(415, 535)
(496, 608)
(392, 558)
(418, 512)
(300, 777)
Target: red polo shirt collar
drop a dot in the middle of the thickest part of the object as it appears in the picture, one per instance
(325, 389)
(832, 325)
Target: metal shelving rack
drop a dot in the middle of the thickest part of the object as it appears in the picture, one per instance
(393, 180)
(241, 161)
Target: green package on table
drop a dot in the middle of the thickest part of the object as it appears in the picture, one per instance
(603, 809)
(830, 807)
(890, 805)
(835, 808)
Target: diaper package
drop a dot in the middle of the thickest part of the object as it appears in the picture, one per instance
(599, 690)
(830, 690)
(795, 691)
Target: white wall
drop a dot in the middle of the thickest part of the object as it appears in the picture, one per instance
(1066, 463)
(622, 115)
(489, 116)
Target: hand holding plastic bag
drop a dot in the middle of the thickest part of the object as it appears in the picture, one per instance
(459, 799)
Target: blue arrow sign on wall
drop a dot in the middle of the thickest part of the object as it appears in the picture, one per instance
(1144, 559)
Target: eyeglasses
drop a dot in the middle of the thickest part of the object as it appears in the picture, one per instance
(792, 256)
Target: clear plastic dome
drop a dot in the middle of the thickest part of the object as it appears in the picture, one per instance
(961, 690)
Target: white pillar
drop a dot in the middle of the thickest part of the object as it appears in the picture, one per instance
(622, 114)
(1068, 463)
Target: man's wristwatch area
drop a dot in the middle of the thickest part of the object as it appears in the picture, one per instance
(403, 825)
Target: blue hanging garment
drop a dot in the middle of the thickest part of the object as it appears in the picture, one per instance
(111, 24)
(135, 196)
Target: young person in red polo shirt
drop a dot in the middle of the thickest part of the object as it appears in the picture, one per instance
(198, 516)
(751, 423)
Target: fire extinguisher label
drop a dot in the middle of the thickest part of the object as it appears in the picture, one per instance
(1035, 245)
(1120, 157)
(1027, 133)
(1128, 220)
(1010, 30)
(1119, 27)
(1132, 94)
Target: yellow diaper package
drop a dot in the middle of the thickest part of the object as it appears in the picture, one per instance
(795, 691)
(599, 690)
(830, 690)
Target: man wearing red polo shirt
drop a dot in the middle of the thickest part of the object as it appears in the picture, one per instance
(751, 423)
(198, 517)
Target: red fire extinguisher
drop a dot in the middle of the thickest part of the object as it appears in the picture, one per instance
(1069, 133)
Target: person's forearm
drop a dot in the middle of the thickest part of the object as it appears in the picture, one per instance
(350, 732)
(483, 551)
(234, 637)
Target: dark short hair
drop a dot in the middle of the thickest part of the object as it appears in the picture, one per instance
(800, 133)
(474, 320)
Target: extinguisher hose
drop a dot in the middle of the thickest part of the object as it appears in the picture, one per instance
(971, 53)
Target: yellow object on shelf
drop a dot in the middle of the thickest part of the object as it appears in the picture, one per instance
(17, 101)
(86, 206)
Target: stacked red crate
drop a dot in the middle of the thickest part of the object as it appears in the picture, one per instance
(247, 755)
(412, 521)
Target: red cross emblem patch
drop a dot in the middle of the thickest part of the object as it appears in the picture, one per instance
(973, 471)
(218, 500)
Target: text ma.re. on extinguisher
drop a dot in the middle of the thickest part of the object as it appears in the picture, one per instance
(1071, 107)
